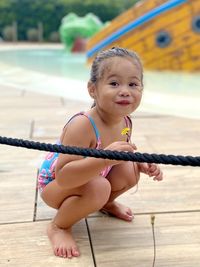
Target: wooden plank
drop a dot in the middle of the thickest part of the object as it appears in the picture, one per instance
(26, 244)
(17, 183)
(178, 191)
(169, 134)
(118, 243)
(43, 211)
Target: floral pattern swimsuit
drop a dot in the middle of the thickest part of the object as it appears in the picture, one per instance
(47, 170)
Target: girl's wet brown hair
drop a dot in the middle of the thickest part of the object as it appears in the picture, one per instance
(97, 68)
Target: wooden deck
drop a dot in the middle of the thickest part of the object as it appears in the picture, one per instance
(103, 241)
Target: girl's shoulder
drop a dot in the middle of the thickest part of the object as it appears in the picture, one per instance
(78, 130)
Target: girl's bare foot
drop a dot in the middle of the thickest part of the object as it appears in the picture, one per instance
(62, 241)
(118, 210)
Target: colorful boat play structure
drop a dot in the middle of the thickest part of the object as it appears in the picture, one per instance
(166, 34)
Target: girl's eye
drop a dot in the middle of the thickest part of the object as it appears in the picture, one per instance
(133, 84)
(114, 84)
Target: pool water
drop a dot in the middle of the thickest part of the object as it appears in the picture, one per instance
(54, 71)
(49, 61)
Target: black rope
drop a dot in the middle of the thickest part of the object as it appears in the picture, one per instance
(106, 154)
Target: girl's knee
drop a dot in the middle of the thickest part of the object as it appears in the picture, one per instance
(124, 175)
(132, 178)
(99, 191)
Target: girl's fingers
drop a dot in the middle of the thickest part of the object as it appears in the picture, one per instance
(121, 146)
(154, 172)
(158, 177)
(126, 147)
(134, 146)
(152, 167)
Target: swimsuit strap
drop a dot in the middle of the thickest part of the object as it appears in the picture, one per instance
(128, 122)
(93, 125)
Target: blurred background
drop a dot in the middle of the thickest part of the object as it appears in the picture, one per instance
(39, 20)
(48, 45)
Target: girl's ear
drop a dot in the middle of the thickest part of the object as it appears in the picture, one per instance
(91, 89)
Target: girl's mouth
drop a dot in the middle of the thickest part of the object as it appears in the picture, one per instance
(123, 102)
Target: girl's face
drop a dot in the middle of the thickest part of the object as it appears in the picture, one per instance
(119, 89)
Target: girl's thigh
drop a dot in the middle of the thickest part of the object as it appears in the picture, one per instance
(54, 195)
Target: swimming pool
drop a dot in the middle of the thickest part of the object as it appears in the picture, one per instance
(54, 71)
(49, 61)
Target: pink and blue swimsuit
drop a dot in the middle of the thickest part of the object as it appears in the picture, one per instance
(47, 169)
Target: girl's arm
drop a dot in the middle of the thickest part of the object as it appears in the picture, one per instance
(80, 171)
(73, 171)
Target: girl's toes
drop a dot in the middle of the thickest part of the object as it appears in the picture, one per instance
(75, 252)
(64, 253)
(56, 251)
(69, 253)
(60, 252)
(129, 217)
(129, 212)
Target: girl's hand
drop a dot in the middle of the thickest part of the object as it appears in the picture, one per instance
(153, 170)
(119, 146)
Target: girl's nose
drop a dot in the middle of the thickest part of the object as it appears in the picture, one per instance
(124, 91)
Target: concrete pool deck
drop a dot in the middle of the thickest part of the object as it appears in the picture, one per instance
(103, 241)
